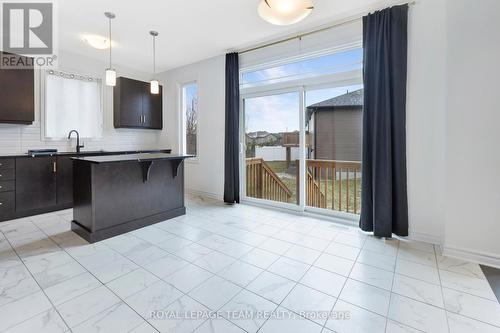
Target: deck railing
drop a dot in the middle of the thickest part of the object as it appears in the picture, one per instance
(333, 185)
(314, 196)
(339, 181)
(263, 183)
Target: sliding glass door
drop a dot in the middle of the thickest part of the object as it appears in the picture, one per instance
(333, 157)
(301, 133)
(272, 150)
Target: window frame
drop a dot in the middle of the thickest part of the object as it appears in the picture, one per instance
(182, 118)
(301, 86)
(312, 81)
(42, 76)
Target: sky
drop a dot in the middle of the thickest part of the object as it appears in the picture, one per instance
(280, 113)
(191, 91)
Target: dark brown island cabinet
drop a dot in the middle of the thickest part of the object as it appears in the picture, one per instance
(31, 185)
(116, 194)
(134, 106)
(17, 92)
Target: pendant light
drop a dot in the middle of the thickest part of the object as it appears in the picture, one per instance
(285, 12)
(155, 86)
(110, 72)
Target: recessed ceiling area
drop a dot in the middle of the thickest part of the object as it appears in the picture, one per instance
(190, 30)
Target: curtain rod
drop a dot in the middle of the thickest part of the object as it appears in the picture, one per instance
(346, 21)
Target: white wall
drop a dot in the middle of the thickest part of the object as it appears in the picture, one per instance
(426, 113)
(452, 125)
(473, 130)
(205, 174)
(16, 139)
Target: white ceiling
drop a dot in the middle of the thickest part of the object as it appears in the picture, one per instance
(190, 30)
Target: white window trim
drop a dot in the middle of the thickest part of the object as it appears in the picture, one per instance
(182, 120)
(43, 109)
(301, 57)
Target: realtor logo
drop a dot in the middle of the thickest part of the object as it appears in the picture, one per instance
(28, 28)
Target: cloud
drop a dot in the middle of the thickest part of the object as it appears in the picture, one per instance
(275, 113)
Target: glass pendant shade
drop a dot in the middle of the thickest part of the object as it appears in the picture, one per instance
(284, 12)
(155, 87)
(110, 77)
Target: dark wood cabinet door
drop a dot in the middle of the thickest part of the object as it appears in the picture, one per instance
(152, 108)
(127, 103)
(64, 180)
(17, 101)
(35, 183)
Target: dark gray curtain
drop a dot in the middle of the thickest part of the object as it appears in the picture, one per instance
(231, 160)
(384, 199)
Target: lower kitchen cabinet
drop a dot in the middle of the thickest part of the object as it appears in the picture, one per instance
(35, 183)
(7, 205)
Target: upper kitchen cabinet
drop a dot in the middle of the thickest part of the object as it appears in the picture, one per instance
(135, 107)
(17, 94)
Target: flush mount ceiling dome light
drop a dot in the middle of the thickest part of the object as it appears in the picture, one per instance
(285, 12)
(96, 41)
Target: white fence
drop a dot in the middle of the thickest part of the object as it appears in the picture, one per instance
(276, 153)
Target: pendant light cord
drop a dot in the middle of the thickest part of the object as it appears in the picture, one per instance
(154, 55)
(110, 43)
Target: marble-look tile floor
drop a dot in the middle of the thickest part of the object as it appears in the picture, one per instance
(234, 269)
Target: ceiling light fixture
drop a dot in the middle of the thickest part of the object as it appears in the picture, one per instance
(96, 41)
(155, 86)
(284, 12)
(110, 72)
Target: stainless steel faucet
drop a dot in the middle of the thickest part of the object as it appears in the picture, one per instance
(78, 147)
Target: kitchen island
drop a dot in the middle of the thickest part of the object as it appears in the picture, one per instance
(120, 193)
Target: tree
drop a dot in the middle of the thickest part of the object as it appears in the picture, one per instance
(191, 126)
(191, 117)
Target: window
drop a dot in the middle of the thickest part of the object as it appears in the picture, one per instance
(190, 116)
(301, 132)
(336, 63)
(72, 102)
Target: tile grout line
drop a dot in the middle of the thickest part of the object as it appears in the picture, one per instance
(392, 288)
(343, 286)
(442, 292)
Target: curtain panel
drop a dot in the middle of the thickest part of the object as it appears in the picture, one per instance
(384, 189)
(231, 138)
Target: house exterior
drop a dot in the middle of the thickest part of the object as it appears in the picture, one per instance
(336, 127)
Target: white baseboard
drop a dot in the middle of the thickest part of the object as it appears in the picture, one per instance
(210, 195)
(483, 258)
(426, 238)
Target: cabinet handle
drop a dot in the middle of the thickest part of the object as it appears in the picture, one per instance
(1, 203)
(144, 119)
(54, 167)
